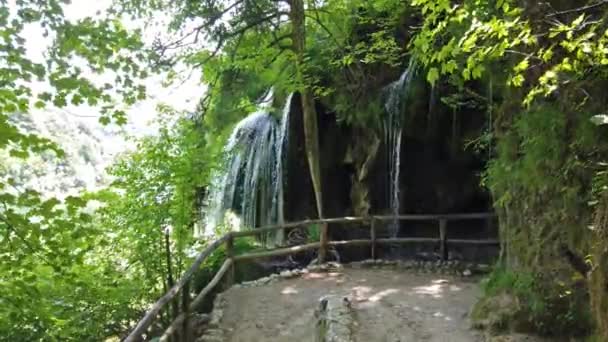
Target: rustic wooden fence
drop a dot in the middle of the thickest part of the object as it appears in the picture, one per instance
(179, 329)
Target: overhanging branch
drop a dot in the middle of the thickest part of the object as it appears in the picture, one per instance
(579, 9)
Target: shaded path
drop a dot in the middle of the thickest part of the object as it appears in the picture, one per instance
(389, 306)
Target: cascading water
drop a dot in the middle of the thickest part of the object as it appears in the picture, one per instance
(279, 172)
(251, 179)
(395, 104)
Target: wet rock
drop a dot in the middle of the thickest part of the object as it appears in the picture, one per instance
(264, 280)
(357, 265)
(368, 262)
(216, 317)
(314, 268)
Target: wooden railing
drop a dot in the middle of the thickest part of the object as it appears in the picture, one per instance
(179, 328)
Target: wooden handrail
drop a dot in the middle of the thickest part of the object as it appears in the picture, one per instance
(228, 265)
(351, 219)
(145, 322)
(266, 229)
(278, 251)
(198, 301)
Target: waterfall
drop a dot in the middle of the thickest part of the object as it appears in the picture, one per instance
(279, 172)
(396, 97)
(250, 180)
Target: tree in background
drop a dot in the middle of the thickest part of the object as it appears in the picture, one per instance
(267, 37)
(58, 282)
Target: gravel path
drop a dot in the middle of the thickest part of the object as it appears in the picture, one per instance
(388, 306)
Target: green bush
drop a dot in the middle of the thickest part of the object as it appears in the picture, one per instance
(314, 233)
(541, 304)
(213, 263)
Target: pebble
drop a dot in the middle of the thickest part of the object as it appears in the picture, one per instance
(289, 274)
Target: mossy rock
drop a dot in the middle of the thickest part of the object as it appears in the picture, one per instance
(499, 313)
(599, 291)
(534, 304)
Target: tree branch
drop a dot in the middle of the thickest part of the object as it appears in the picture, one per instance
(278, 39)
(35, 251)
(515, 52)
(579, 9)
(254, 24)
(326, 29)
(276, 56)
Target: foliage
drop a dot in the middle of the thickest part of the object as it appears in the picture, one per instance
(541, 178)
(52, 272)
(461, 42)
(213, 263)
(314, 233)
(546, 158)
(62, 261)
(542, 305)
(103, 45)
(543, 65)
(158, 187)
(542, 61)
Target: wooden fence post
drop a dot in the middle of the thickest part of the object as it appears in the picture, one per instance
(323, 243)
(230, 255)
(186, 335)
(372, 230)
(442, 239)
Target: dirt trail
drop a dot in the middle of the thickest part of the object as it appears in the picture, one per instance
(388, 306)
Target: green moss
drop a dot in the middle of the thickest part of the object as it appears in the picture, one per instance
(598, 282)
(531, 303)
(314, 233)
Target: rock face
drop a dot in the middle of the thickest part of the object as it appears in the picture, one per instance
(361, 154)
(438, 175)
(334, 319)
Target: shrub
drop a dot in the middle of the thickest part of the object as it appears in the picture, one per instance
(534, 303)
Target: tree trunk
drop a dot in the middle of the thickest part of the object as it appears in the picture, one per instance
(311, 135)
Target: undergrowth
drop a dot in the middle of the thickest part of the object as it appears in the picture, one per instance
(314, 233)
(213, 263)
(534, 303)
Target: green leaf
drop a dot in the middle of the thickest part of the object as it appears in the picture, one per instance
(105, 120)
(432, 76)
(578, 20)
